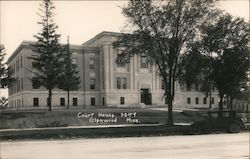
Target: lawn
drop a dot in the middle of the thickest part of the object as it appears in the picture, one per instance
(84, 117)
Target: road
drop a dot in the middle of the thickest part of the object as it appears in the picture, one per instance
(213, 146)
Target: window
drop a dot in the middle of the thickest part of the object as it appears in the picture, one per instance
(122, 100)
(92, 101)
(103, 101)
(213, 88)
(189, 87)
(144, 62)
(22, 102)
(35, 102)
(121, 83)
(15, 86)
(196, 100)
(92, 63)
(74, 101)
(33, 64)
(21, 83)
(74, 61)
(18, 85)
(14, 68)
(118, 83)
(124, 83)
(16, 65)
(196, 86)
(21, 62)
(120, 63)
(212, 100)
(62, 101)
(188, 100)
(92, 83)
(204, 100)
(35, 84)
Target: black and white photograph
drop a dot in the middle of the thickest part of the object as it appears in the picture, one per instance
(127, 79)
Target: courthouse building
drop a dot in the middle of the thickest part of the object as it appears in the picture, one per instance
(103, 81)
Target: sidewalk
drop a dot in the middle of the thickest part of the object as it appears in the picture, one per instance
(92, 131)
(78, 127)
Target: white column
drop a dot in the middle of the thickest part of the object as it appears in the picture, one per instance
(153, 78)
(106, 66)
(101, 68)
(135, 72)
(111, 67)
(156, 81)
(131, 71)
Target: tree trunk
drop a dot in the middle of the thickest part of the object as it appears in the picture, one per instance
(168, 93)
(210, 98)
(49, 100)
(221, 105)
(170, 121)
(228, 105)
(231, 103)
(68, 99)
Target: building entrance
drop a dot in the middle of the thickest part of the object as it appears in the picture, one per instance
(146, 97)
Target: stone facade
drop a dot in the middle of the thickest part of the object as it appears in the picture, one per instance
(103, 81)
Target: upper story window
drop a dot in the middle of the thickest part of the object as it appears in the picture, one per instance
(17, 65)
(213, 88)
(188, 87)
(21, 83)
(33, 64)
(118, 83)
(144, 61)
(21, 61)
(196, 87)
(14, 68)
(92, 83)
(92, 63)
(74, 61)
(124, 83)
(35, 83)
(120, 64)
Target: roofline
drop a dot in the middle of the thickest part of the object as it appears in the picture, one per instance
(83, 45)
(30, 43)
(103, 33)
(22, 45)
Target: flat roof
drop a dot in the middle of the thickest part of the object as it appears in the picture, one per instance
(29, 44)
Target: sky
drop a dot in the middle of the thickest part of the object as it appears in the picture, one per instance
(81, 20)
